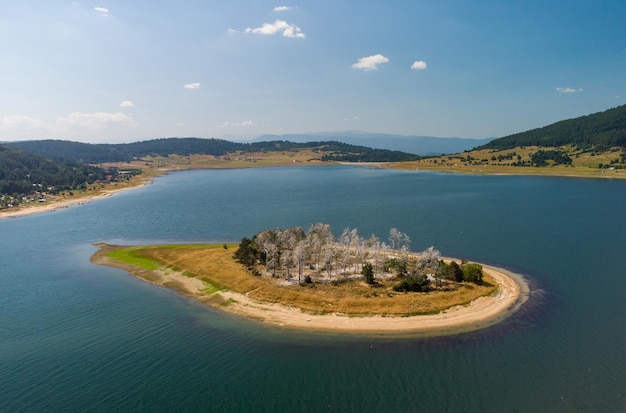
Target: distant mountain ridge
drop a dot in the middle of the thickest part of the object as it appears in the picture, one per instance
(418, 145)
(606, 128)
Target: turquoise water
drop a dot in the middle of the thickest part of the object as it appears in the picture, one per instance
(80, 337)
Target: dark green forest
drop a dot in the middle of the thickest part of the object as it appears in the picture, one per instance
(603, 129)
(99, 153)
(24, 174)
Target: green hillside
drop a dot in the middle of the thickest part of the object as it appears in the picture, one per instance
(603, 129)
(100, 153)
(25, 176)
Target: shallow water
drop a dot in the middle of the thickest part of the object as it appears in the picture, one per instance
(80, 337)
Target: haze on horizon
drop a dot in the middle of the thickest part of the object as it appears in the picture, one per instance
(118, 71)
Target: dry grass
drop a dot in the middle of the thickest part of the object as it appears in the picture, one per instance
(217, 267)
(234, 160)
(584, 164)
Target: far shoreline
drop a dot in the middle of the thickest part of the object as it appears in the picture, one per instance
(512, 293)
(143, 180)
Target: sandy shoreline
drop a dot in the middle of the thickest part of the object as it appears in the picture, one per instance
(55, 205)
(485, 311)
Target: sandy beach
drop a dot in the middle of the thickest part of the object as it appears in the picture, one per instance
(54, 205)
(485, 311)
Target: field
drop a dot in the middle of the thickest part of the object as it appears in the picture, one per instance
(494, 162)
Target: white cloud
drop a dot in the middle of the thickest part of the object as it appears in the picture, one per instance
(288, 30)
(98, 120)
(195, 85)
(370, 62)
(282, 8)
(103, 11)
(242, 124)
(568, 90)
(127, 104)
(419, 65)
(20, 122)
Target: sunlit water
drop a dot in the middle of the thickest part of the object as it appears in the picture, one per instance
(80, 337)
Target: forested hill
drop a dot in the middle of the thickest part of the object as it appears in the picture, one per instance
(99, 153)
(25, 173)
(606, 129)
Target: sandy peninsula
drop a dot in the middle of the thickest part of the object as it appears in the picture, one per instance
(511, 293)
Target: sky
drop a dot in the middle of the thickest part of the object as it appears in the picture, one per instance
(110, 71)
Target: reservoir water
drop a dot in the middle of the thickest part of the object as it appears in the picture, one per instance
(79, 337)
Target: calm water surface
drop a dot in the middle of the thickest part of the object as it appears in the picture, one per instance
(79, 337)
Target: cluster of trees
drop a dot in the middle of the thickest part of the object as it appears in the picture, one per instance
(285, 252)
(100, 153)
(509, 156)
(606, 128)
(541, 158)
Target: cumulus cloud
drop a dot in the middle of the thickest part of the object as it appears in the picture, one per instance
(419, 65)
(568, 90)
(370, 62)
(282, 8)
(242, 124)
(103, 11)
(279, 26)
(195, 85)
(98, 120)
(127, 104)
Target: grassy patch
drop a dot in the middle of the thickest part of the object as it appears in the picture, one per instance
(132, 256)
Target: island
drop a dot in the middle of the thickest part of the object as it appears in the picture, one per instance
(315, 280)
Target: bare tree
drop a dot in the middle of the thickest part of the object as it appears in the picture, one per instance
(318, 235)
(299, 254)
(429, 262)
(395, 238)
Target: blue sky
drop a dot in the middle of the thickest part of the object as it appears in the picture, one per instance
(122, 71)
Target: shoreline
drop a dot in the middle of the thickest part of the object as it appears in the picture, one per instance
(512, 292)
(54, 205)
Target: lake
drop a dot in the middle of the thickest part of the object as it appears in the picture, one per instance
(79, 337)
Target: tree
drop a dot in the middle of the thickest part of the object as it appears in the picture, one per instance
(429, 261)
(395, 238)
(413, 283)
(368, 273)
(318, 235)
(456, 271)
(473, 272)
(299, 254)
(246, 254)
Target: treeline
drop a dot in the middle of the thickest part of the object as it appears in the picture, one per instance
(607, 129)
(125, 152)
(318, 252)
(23, 173)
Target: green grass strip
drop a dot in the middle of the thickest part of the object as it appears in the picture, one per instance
(132, 255)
